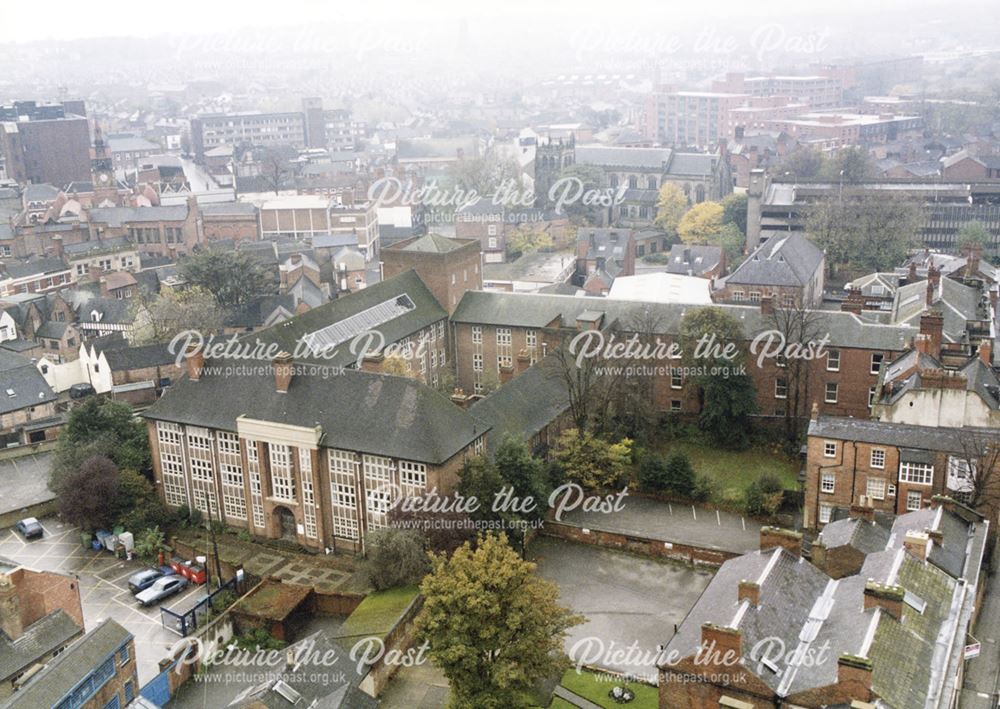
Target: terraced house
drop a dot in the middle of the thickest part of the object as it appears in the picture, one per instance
(304, 452)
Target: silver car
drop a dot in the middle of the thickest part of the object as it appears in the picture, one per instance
(162, 588)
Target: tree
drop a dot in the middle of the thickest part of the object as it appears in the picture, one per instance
(82, 494)
(976, 470)
(274, 169)
(524, 473)
(444, 528)
(731, 240)
(972, 235)
(681, 478)
(526, 239)
(492, 625)
(866, 232)
(802, 164)
(850, 165)
(159, 318)
(234, 277)
(797, 326)
(591, 461)
(396, 557)
(670, 207)
(101, 427)
(701, 223)
(397, 365)
(149, 543)
(713, 344)
(485, 174)
(588, 179)
(136, 504)
(734, 211)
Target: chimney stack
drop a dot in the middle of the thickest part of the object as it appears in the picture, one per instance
(749, 591)
(788, 540)
(282, 365)
(918, 544)
(767, 305)
(863, 511)
(986, 352)
(888, 598)
(10, 608)
(194, 357)
(932, 325)
(57, 245)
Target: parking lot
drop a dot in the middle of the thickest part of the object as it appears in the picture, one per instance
(24, 481)
(103, 587)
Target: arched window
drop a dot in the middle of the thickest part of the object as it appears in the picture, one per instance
(633, 182)
(651, 182)
(699, 193)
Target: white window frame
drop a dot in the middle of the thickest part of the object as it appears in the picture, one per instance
(875, 488)
(825, 513)
(877, 458)
(828, 483)
(874, 368)
(833, 361)
(829, 449)
(910, 496)
(916, 473)
(826, 392)
(780, 388)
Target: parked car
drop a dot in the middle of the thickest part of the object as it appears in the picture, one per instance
(141, 580)
(163, 587)
(30, 528)
(79, 391)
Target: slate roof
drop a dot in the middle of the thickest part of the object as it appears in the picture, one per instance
(39, 193)
(526, 404)
(52, 329)
(693, 259)
(334, 241)
(694, 164)
(605, 156)
(129, 358)
(99, 246)
(782, 261)
(956, 302)
(228, 209)
(865, 536)
(892, 434)
(50, 685)
(361, 411)
(538, 310)
(39, 639)
(120, 216)
(34, 266)
(432, 243)
(21, 384)
(290, 334)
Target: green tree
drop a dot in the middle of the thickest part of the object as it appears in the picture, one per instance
(670, 207)
(763, 496)
(714, 346)
(731, 240)
(233, 277)
(586, 179)
(485, 174)
(106, 428)
(493, 626)
(396, 557)
(522, 472)
(591, 461)
(681, 478)
(734, 211)
(802, 164)
(82, 494)
(864, 232)
(148, 544)
(701, 223)
(527, 239)
(973, 234)
(136, 504)
(850, 165)
(158, 318)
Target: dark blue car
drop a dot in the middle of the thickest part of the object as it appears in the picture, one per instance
(141, 580)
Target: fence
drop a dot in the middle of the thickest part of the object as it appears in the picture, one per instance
(188, 621)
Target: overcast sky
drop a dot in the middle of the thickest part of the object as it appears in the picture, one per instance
(65, 20)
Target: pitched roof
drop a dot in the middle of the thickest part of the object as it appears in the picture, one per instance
(38, 640)
(538, 310)
(360, 411)
(606, 156)
(781, 261)
(526, 404)
(50, 685)
(21, 384)
(905, 435)
(432, 243)
(122, 359)
(120, 216)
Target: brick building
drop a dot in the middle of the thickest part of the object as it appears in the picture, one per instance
(96, 672)
(889, 467)
(27, 403)
(274, 449)
(788, 270)
(40, 614)
(449, 267)
(490, 328)
(45, 143)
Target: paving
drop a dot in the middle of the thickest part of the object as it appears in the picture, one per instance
(24, 481)
(627, 600)
(982, 674)
(673, 522)
(103, 587)
(416, 687)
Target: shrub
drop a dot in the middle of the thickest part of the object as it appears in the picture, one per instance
(680, 475)
(764, 495)
(704, 489)
(148, 543)
(258, 639)
(396, 557)
(652, 473)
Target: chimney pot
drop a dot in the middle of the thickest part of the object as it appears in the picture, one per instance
(194, 357)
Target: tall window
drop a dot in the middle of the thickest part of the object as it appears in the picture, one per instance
(477, 334)
(172, 463)
(234, 502)
(256, 493)
(412, 477)
(875, 488)
(378, 488)
(876, 363)
(504, 357)
(202, 472)
(825, 513)
(282, 477)
(828, 483)
(308, 498)
(914, 500)
(780, 388)
(830, 395)
(343, 493)
(878, 458)
(833, 361)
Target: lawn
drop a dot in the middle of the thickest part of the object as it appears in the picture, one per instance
(589, 686)
(733, 471)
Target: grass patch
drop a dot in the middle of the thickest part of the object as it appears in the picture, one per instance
(589, 686)
(378, 612)
(732, 471)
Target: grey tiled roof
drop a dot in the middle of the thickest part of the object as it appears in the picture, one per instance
(604, 156)
(38, 640)
(782, 261)
(538, 310)
(35, 266)
(119, 216)
(129, 358)
(892, 434)
(867, 537)
(21, 384)
(360, 411)
(48, 687)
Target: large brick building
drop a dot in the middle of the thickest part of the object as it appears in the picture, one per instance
(45, 143)
(490, 329)
(449, 267)
(302, 452)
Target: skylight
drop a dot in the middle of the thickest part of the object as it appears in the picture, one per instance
(327, 338)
